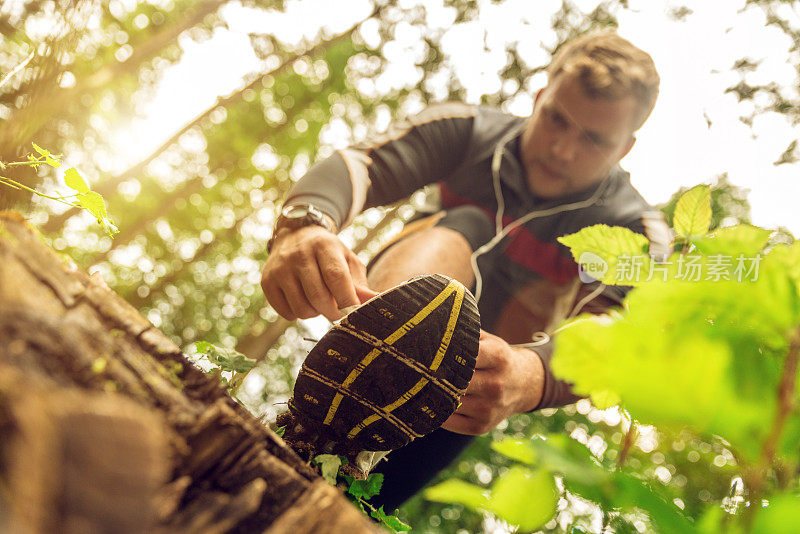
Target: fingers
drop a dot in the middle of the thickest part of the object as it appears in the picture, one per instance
(458, 423)
(310, 272)
(358, 272)
(297, 290)
(482, 406)
(288, 298)
(344, 277)
(484, 385)
(364, 293)
(278, 301)
(475, 415)
(506, 381)
(317, 293)
(274, 295)
(463, 424)
(337, 277)
(490, 351)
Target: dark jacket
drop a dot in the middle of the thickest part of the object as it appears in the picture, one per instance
(530, 281)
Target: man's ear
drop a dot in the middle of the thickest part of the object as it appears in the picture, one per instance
(538, 94)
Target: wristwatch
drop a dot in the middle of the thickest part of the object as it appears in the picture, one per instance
(298, 216)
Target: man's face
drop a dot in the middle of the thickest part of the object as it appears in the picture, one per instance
(571, 140)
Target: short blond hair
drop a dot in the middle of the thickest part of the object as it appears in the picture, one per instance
(611, 67)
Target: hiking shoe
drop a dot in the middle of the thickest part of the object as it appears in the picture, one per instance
(392, 370)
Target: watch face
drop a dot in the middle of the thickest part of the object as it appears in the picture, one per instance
(296, 212)
(302, 215)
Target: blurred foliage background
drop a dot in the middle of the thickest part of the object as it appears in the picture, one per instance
(195, 213)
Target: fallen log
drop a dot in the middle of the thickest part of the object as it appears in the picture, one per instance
(105, 426)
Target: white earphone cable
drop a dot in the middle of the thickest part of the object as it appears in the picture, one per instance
(539, 338)
(500, 231)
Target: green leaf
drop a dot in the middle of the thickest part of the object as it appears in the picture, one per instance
(524, 497)
(711, 521)
(732, 241)
(789, 258)
(281, 430)
(329, 466)
(693, 212)
(782, 516)
(391, 521)
(638, 367)
(518, 450)
(34, 162)
(612, 255)
(460, 492)
(604, 399)
(582, 473)
(93, 203)
(203, 346)
(75, 181)
(226, 359)
(109, 227)
(366, 489)
(49, 158)
(664, 514)
(563, 455)
(709, 338)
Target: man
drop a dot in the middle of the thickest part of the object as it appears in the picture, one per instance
(509, 187)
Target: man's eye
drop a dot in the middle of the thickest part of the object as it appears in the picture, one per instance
(593, 140)
(557, 119)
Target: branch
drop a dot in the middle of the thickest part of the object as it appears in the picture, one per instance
(189, 187)
(786, 392)
(785, 400)
(16, 69)
(108, 187)
(150, 47)
(630, 438)
(47, 99)
(221, 237)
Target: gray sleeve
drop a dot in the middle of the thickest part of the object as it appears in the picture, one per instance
(327, 186)
(423, 150)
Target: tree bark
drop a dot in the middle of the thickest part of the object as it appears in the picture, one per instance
(106, 427)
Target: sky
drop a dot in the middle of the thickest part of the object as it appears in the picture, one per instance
(693, 134)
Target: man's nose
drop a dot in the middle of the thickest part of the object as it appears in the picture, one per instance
(564, 147)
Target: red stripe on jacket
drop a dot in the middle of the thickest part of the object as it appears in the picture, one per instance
(524, 247)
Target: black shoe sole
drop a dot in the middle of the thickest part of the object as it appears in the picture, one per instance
(395, 368)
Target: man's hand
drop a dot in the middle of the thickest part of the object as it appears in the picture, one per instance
(507, 380)
(311, 272)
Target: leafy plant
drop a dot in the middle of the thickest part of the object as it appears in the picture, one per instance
(708, 340)
(526, 494)
(83, 197)
(226, 360)
(358, 491)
